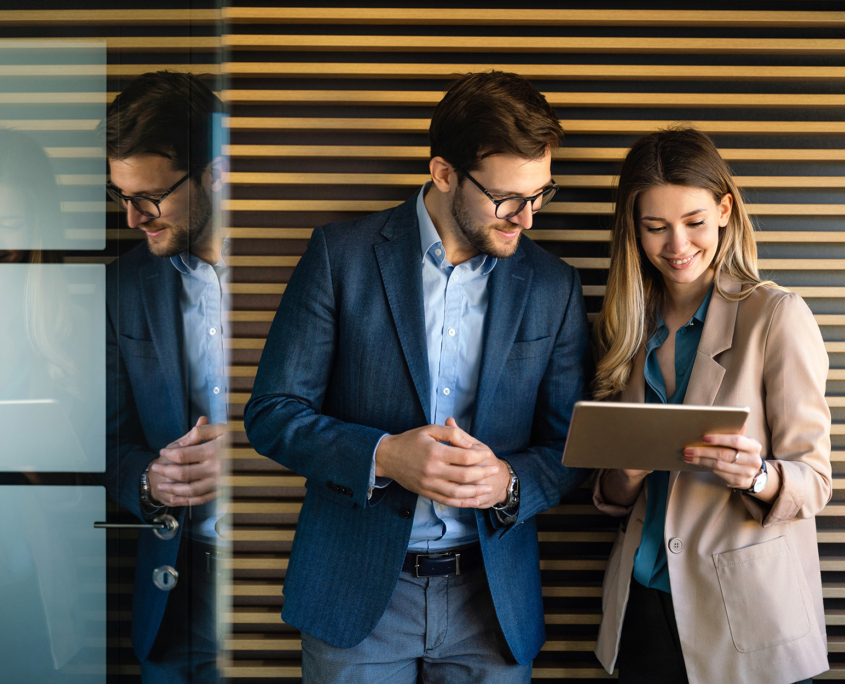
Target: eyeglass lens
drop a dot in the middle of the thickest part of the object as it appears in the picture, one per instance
(511, 207)
(143, 205)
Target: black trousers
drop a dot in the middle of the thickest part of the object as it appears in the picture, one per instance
(650, 648)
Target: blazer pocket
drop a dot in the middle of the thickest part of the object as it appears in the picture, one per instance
(529, 348)
(762, 595)
(132, 347)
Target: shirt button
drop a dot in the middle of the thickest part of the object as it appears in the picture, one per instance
(676, 545)
(456, 277)
(683, 331)
(212, 331)
(447, 391)
(404, 513)
(680, 372)
(216, 390)
(441, 507)
(451, 332)
(438, 252)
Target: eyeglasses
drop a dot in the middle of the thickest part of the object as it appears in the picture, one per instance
(147, 206)
(511, 206)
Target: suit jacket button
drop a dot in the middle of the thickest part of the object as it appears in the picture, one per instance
(347, 491)
(404, 513)
(676, 545)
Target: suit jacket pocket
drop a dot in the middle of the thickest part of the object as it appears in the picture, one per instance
(529, 348)
(132, 347)
(763, 598)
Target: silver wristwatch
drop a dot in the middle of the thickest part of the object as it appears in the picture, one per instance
(758, 484)
(513, 491)
(148, 504)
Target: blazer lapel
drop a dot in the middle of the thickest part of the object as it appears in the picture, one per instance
(399, 260)
(717, 336)
(508, 288)
(160, 288)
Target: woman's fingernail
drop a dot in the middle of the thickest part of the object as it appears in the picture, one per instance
(707, 438)
(688, 459)
(689, 452)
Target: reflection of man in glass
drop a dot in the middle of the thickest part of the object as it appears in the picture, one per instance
(167, 388)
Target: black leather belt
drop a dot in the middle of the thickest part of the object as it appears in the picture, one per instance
(444, 563)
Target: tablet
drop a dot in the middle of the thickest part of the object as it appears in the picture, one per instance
(643, 436)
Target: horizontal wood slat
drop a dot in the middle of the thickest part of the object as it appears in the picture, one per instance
(622, 72)
(584, 126)
(121, 17)
(415, 180)
(366, 206)
(422, 98)
(532, 43)
(529, 17)
(564, 235)
(614, 154)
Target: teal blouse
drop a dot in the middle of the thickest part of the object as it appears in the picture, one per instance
(650, 567)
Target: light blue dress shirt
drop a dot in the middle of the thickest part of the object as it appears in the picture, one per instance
(455, 302)
(202, 303)
(650, 567)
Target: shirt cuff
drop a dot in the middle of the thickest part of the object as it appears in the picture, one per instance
(376, 482)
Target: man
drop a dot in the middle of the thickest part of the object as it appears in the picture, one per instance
(420, 373)
(166, 369)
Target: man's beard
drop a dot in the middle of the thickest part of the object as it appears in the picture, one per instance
(182, 237)
(477, 235)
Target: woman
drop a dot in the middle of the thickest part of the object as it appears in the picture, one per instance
(714, 576)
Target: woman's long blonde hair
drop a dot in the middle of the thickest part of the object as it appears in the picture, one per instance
(676, 156)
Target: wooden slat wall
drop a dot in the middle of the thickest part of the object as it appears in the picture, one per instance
(329, 117)
(329, 113)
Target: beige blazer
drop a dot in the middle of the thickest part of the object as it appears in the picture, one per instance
(745, 576)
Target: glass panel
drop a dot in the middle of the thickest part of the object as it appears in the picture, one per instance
(52, 584)
(52, 375)
(52, 164)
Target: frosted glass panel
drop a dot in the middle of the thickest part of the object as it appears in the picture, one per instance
(52, 162)
(52, 585)
(52, 367)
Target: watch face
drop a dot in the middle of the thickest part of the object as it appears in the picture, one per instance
(760, 482)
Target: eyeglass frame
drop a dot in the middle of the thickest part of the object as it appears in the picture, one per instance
(126, 198)
(525, 200)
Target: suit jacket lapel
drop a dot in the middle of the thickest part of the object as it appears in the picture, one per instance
(508, 288)
(717, 336)
(160, 288)
(399, 260)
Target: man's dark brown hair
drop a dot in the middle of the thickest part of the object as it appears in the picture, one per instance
(489, 113)
(164, 113)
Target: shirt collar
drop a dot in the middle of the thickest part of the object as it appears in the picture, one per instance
(186, 263)
(661, 331)
(430, 240)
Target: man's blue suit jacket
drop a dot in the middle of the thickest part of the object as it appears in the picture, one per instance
(147, 405)
(346, 361)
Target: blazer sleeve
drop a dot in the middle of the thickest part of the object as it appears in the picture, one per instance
(282, 418)
(794, 376)
(127, 451)
(543, 479)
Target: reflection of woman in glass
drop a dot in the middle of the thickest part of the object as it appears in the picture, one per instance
(35, 303)
(715, 573)
(40, 336)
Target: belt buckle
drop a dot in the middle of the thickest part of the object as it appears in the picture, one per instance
(456, 556)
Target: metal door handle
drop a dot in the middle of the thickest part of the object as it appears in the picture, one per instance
(164, 527)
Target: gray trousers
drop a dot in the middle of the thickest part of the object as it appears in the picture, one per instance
(436, 630)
